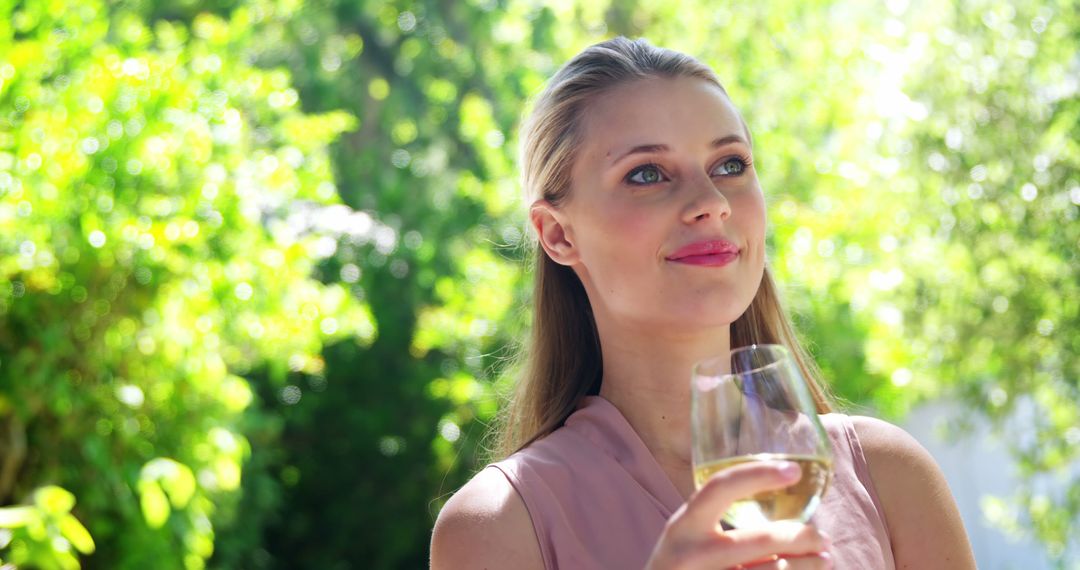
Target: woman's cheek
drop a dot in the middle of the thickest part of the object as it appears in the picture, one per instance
(750, 211)
(628, 226)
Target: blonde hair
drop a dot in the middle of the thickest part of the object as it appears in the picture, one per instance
(563, 361)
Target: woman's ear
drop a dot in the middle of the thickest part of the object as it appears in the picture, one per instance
(554, 232)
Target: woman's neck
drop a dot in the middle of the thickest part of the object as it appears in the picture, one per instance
(647, 377)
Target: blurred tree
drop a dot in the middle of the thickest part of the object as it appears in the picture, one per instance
(987, 248)
(920, 167)
(390, 425)
(158, 198)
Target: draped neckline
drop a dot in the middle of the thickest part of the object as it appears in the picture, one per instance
(601, 423)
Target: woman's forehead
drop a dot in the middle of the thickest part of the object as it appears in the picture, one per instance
(674, 112)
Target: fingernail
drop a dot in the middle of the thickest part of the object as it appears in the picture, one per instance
(788, 469)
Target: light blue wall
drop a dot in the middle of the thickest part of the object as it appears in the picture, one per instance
(976, 466)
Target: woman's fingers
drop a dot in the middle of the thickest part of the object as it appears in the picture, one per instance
(764, 548)
(760, 544)
(705, 508)
(693, 538)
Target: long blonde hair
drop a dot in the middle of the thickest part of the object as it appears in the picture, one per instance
(563, 361)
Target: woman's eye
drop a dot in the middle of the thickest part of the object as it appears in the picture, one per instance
(647, 174)
(731, 167)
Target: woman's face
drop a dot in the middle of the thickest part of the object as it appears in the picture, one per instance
(665, 220)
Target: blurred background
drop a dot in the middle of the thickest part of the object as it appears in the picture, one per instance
(262, 261)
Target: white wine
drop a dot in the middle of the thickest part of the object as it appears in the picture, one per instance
(795, 503)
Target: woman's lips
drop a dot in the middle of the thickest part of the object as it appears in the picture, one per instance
(710, 260)
(709, 253)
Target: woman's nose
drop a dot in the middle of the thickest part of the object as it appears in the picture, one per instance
(708, 201)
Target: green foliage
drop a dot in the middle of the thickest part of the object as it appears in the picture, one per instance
(35, 532)
(386, 428)
(150, 254)
(992, 297)
(174, 256)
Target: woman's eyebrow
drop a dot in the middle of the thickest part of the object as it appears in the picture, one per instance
(655, 148)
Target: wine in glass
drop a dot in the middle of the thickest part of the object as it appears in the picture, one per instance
(755, 406)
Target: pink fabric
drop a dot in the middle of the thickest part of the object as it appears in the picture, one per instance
(598, 499)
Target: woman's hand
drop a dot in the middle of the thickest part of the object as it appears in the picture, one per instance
(693, 537)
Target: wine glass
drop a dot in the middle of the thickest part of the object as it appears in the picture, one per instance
(755, 406)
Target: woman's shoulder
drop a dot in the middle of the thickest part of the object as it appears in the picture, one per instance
(879, 441)
(485, 524)
(922, 516)
(897, 462)
(892, 454)
(884, 443)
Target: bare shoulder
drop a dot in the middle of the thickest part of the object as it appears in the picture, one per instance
(903, 471)
(887, 443)
(485, 525)
(924, 522)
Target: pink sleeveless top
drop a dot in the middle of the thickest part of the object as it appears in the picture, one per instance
(598, 499)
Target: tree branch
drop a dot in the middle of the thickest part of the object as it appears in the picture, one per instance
(14, 451)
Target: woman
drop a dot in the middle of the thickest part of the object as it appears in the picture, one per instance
(652, 225)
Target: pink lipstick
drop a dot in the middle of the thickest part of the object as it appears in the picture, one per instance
(710, 253)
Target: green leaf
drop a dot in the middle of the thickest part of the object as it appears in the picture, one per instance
(76, 533)
(174, 478)
(154, 504)
(54, 500)
(14, 517)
